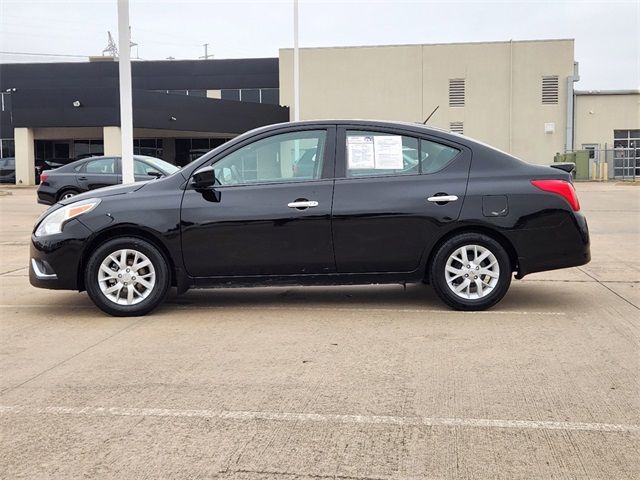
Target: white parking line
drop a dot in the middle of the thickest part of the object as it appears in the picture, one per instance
(319, 418)
(303, 308)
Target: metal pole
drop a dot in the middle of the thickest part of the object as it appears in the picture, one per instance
(126, 102)
(296, 65)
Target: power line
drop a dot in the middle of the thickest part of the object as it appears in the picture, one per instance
(43, 54)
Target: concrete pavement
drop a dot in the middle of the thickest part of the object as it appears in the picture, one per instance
(376, 382)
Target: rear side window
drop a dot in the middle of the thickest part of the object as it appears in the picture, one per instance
(103, 165)
(375, 153)
(435, 156)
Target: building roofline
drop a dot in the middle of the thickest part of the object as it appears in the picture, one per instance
(607, 92)
(139, 61)
(436, 44)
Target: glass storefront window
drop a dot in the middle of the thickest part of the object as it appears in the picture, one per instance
(231, 94)
(87, 148)
(626, 153)
(151, 147)
(7, 148)
(188, 149)
(271, 96)
(250, 95)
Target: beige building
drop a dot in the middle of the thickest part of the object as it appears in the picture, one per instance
(607, 124)
(515, 95)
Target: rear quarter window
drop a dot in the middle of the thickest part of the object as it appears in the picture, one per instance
(435, 156)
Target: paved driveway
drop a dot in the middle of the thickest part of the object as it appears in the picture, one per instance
(377, 382)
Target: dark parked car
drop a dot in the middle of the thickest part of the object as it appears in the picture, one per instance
(8, 170)
(96, 172)
(50, 164)
(383, 203)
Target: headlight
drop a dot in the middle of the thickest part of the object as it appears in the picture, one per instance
(53, 223)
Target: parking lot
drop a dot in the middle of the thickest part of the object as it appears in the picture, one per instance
(375, 382)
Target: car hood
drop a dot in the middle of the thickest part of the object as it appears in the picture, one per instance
(106, 192)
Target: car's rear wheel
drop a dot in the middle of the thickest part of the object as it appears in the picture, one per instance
(471, 271)
(127, 277)
(67, 194)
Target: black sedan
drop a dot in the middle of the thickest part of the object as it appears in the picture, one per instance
(375, 202)
(95, 172)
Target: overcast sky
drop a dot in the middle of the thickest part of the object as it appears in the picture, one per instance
(607, 33)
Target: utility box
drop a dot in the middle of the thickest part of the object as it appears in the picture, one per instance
(580, 158)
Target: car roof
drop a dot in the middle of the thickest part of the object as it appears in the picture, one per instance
(417, 127)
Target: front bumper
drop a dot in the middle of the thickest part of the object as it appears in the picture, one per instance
(55, 259)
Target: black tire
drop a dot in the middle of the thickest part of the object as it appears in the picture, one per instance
(68, 191)
(157, 293)
(438, 279)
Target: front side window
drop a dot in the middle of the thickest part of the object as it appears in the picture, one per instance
(375, 153)
(103, 165)
(288, 157)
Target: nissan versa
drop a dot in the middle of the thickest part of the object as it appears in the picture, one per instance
(325, 202)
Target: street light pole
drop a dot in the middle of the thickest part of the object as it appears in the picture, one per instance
(126, 102)
(296, 65)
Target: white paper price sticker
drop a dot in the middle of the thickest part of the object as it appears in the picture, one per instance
(360, 152)
(388, 152)
(379, 152)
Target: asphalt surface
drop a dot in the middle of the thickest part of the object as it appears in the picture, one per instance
(377, 382)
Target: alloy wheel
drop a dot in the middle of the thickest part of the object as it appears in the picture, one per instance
(126, 277)
(472, 272)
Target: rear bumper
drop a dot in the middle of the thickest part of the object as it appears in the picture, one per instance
(46, 197)
(565, 245)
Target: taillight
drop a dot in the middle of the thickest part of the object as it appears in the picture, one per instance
(43, 177)
(560, 187)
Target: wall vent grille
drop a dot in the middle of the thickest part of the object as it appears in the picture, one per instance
(550, 90)
(456, 127)
(456, 92)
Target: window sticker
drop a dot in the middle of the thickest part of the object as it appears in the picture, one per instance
(379, 152)
(388, 152)
(360, 152)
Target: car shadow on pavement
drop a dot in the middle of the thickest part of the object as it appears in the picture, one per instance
(393, 296)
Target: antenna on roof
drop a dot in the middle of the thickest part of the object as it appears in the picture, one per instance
(434, 111)
(111, 47)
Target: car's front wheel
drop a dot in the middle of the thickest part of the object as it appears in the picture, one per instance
(127, 277)
(471, 271)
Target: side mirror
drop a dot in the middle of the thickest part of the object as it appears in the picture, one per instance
(204, 178)
(153, 173)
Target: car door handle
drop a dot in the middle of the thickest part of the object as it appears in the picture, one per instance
(303, 204)
(82, 178)
(443, 198)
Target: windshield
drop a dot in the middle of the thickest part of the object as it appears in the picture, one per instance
(166, 167)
